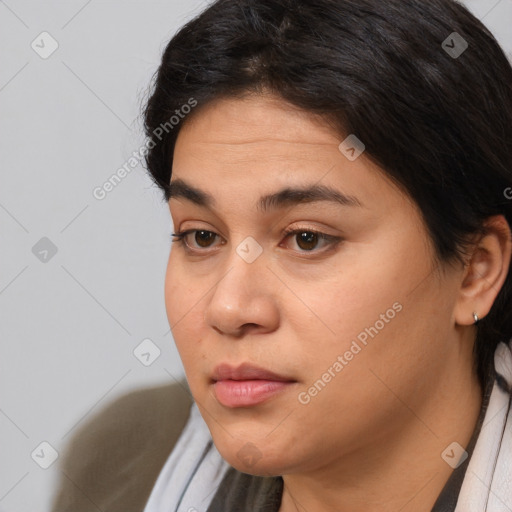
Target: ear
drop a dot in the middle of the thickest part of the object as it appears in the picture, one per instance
(485, 271)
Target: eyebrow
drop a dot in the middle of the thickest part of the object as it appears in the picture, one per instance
(179, 188)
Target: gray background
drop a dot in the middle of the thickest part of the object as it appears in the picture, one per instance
(70, 323)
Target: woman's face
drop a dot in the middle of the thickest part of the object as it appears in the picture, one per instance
(359, 324)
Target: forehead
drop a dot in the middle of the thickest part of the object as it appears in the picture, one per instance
(261, 145)
(256, 118)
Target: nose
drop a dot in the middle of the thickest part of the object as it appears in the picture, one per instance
(244, 299)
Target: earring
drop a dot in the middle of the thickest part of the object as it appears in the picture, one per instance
(475, 316)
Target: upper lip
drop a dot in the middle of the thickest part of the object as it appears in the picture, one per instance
(245, 371)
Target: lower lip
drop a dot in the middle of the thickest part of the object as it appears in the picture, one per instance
(245, 393)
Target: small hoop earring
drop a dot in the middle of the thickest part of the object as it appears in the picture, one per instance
(475, 316)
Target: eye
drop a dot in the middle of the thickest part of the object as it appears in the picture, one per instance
(202, 237)
(307, 239)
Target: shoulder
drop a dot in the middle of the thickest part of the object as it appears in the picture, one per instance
(114, 458)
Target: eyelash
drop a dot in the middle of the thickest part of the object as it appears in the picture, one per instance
(331, 240)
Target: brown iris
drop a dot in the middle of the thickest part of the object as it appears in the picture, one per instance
(204, 237)
(308, 238)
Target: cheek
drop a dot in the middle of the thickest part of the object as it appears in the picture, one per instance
(172, 290)
(352, 299)
(184, 311)
(373, 312)
(182, 294)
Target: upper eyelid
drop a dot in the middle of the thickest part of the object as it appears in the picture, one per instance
(286, 232)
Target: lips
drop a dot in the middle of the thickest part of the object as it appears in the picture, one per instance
(247, 385)
(246, 371)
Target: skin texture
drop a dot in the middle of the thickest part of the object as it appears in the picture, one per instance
(372, 438)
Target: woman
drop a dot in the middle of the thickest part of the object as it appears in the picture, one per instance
(338, 173)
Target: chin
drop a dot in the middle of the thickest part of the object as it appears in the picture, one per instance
(253, 462)
(255, 456)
